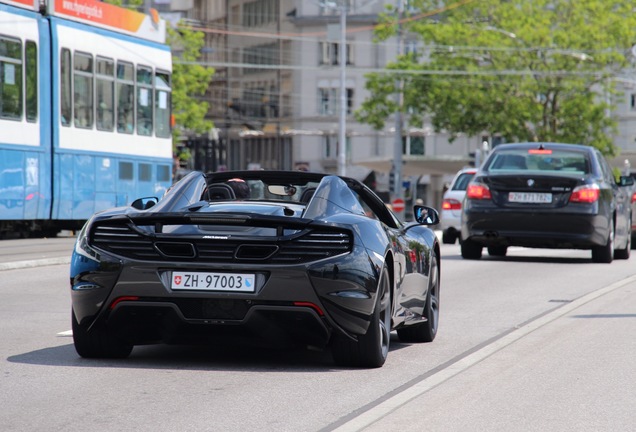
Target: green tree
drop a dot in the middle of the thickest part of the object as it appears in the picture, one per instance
(190, 80)
(540, 70)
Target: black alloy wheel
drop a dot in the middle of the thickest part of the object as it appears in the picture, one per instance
(605, 254)
(449, 237)
(471, 249)
(98, 343)
(625, 252)
(372, 348)
(426, 331)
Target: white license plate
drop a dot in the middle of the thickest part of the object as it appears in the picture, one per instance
(230, 282)
(530, 197)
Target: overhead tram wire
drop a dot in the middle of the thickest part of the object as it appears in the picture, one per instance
(321, 34)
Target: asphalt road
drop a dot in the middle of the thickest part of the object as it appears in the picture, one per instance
(27, 253)
(538, 341)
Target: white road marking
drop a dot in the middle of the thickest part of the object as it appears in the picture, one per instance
(66, 333)
(388, 406)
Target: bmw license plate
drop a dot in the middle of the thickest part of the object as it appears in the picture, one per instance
(530, 197)
(230, 282)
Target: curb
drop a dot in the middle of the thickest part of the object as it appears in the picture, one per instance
(34, 263)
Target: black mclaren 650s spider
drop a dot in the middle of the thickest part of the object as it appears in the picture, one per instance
(265, 257)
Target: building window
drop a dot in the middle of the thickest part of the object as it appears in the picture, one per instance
(413, 145)
(632, 103)
(330, 151)
(267, 54)
(329, 102)
(260, 12)
(329, 53)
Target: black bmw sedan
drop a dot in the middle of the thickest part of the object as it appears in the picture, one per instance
(547, 195)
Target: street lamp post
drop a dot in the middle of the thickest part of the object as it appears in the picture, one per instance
(398, 190)
(342, 54)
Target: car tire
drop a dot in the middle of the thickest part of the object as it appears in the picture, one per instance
(371, 349)
(605, 254)
(98, 343)
(625, 252)
(448, 237)
(470, 249)
(497, 251)
(426, 331)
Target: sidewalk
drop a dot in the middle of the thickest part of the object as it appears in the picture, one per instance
(571, 369)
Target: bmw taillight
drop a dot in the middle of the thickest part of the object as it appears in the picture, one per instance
(478, 191)
(585, 194)
(451, 204)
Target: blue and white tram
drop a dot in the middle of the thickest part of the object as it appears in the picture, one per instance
(85, 115)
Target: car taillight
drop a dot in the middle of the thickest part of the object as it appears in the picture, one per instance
(451, 204)
(585, 194)
(633, 197)
(478, 191)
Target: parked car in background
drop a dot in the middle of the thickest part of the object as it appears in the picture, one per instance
(452, 205)
(547, 195)
(282, 257)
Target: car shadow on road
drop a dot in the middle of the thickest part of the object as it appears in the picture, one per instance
(197, 357)
(523, 259)
(541, 259)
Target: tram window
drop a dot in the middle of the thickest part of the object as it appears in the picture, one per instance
(10, 79)
(125, 171)
(83, 90)
(145, 172)
(144, 101)
(162, 104)
(31, 88)
(66, 87)
(163, 173)
(104, 86)
(125, 98)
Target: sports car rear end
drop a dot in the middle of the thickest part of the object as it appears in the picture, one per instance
(288, 264)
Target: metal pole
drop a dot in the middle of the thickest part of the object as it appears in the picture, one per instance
(398, 191)
(342, 139)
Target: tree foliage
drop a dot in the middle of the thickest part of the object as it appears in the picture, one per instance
(190, 80)
(540, 70)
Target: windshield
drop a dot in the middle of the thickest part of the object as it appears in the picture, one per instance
(240, 189)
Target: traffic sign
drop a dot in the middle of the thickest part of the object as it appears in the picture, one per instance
(398, 205)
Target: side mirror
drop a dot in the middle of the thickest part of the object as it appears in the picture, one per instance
(144, 203)
(626, 181)
(426, 215)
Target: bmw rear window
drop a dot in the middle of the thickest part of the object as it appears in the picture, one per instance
(539, 159)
